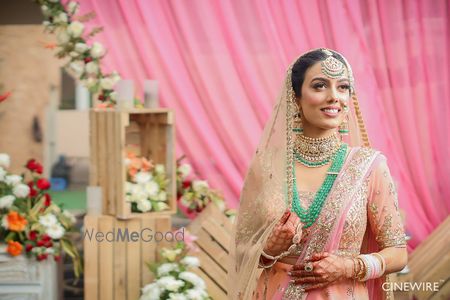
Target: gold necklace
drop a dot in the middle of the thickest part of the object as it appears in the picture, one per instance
(316, 152)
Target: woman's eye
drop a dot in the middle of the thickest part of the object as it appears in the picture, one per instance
(345, 87)
(319, 85)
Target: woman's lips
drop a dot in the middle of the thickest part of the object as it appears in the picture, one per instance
(331, 112)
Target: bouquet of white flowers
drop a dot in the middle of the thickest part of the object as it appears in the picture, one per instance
(173, 280)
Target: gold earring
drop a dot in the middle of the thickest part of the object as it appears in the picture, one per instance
(343, 128)
(298, 124)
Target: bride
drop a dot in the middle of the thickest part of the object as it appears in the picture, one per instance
(318, 215)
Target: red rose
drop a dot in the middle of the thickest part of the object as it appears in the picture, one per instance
(48, 200)
(88, 59)
(186, 184)
(31, 164)
(45, 237)
(43, 184)
(39, 169)
(48, 244)
(42, 256)
(32, 235)
(28, 247)
(40, 243)
(101, 97)
(57, 257)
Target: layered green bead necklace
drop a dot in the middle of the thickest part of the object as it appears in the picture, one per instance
(309, 216)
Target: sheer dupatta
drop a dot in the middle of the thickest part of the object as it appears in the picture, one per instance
(267, 190)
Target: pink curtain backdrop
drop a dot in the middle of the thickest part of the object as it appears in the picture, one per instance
(220, 64)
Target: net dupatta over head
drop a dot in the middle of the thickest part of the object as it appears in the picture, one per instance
(267, 190)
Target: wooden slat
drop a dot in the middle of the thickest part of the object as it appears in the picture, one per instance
(106, 257)
(212, 248)
(212, 269)
(111, 148)
(120, 262)
(148, 249)
(91, 261)
(123, 208)
(101, 158)
(93, 140)
(134, 266)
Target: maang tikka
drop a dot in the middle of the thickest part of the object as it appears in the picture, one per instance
(331, 66)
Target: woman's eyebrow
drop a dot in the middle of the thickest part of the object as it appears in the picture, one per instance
(327, 80)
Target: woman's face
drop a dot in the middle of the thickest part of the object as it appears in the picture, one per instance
(322, 100)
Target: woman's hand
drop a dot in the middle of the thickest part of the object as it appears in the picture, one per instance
(327, 269)
(281, 237)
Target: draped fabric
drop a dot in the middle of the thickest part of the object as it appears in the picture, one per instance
(219, 64)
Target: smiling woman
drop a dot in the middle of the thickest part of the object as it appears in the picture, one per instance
(319, 212)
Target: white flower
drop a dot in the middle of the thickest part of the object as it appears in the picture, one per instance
(142, 177)
(72, 7)
(70, 216)
(190, 261)
(159, 206)
(2, 174)
(220, 204)
(185, 201)
(170, 254)
(45, 10)
(97, 50)
(144, 205)
(46, 23)
(49, 250)
(170, 283)
(115, 77)
(92, 67)
(74, 54)
(62, 37)
(113, 96)
(21, 190)
(81, 47)
(5, 223)
(160, 169)
(185, 170)
(55, 231)
(90, 82)
(199, 185)
(152, 188)
(61, 18)
(77, 67)
(166, 268)
(13, 179)
(151, 291)
(48, 220)
(7, 201)
(192, 278)
(5, 161)
(196, 294)
(162, 196)
(107, 83)
(75, 29)
(177, 296)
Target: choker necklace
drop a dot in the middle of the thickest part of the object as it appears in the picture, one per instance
(316, 152)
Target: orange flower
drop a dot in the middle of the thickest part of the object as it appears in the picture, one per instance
(14, 248)
(132, 171)
(15, 221)
(146, 164)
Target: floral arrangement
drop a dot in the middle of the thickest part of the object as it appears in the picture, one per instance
(31, 223)
(146, 184)
(173, 280)
(72, 42)
(195, 194)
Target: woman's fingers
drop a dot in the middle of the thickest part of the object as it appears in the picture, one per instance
(315, 286)
(285, 217)
(317, 257)
(308, 280)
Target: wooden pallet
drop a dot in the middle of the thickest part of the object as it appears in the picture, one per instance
(213, 230)
(430, 262)
(117, 270)
(151, 133)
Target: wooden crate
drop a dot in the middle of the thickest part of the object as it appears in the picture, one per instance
(430, 262)
(213, 230)
(112, 132)
(117, 270)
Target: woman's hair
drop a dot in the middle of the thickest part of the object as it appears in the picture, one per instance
(303, 63)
